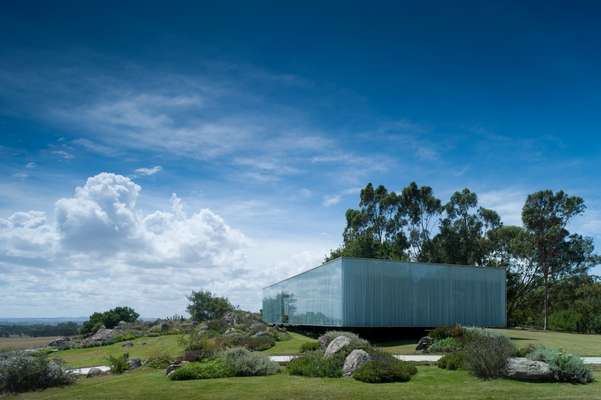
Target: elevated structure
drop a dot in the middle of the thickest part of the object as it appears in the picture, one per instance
(364, 293)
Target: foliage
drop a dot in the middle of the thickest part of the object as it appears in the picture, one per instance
(211, 369)
(486, 355)
(565, 320)
(445, 345)
(159, 359)
(309, 346)
(204, 306)
(245, 363)
(38, 330)
(314, 364)
(256, 343)
(118, 364)
(21, 372)
(443, 332)
(566, 367)
(109, 319)
(198, 346)
(384, 368)
(451, 361)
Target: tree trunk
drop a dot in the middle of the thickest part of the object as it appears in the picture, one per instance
(546, 311)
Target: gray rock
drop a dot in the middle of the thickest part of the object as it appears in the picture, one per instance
(62, 343)
(424, 343)
(94, 372)
(335, 346)
(129, 343)
(354, 361)
(523, 369)
(101, 337)
(263, 333)
(173, 366)
(134, 363)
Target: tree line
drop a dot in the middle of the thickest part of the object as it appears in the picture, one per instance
(543, 259)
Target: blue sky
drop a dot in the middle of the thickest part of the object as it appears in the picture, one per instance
(247, 130)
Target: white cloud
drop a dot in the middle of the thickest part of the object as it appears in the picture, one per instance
(508, 203)
(331, 200)
(148, 171)
(65, 155)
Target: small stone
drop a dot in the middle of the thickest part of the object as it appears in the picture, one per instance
(134, 363)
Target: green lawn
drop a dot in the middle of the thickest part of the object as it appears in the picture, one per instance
(289, 347)
(430, 383)
(583, 345)
(94, 356)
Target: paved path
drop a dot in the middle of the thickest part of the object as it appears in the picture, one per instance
(286, 359)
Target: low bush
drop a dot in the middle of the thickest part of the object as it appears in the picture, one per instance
(486, 355)
(118, 364)
(309, 346)
(315, 365)
(255, 343)
(21, 372)
(566, 367)
(443, 332)
(451, 361)
(202, 370)
(384, 368)
(245, 363)
(524, 351)
(446, 345)
(159, 359)
(356, 341)
(198, 347)
(565, 320)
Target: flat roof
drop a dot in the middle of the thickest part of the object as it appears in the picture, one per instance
(385, 260)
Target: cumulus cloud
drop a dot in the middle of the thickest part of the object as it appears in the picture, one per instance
(100, 248)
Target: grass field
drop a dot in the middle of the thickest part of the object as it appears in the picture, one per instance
(94, 356)
(430, 383)
(23, 343)
(583, 345)
(289, 347)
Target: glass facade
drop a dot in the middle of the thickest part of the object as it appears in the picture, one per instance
(356, 292)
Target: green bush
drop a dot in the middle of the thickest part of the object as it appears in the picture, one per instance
(566, 367)
(446, 345)
(21, 372)
(451, 361)
(383, 368)
(356, 341)
(309, 346)
(109, 319)
(159, 359)
(486, 355)
(118, 364)
(198, 346)
(565, 320)
(314, 364)
(524, 351)
(443, 332)
(255, 343)
(202, 370)
(244, 363)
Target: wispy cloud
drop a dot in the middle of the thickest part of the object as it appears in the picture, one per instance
(333, 199)
(148, 171)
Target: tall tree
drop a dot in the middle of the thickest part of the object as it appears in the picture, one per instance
(545, 216)
(462, 238)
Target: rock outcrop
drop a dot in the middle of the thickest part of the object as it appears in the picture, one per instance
(336, 345)
(524, 369)
(424, 343)
(355, 360)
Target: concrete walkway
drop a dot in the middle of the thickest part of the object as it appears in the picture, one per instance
(84, 371)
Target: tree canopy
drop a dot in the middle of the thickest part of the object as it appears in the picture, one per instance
(204, 305)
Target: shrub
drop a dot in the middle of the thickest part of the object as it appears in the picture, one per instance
(204, 306)
(198, 347)
(451, 361)
(443, 332)
(566, 367)
(486, 355)
(314, 364)
(244, 363)
(118, 364)
(256, 343)
(21, 372)
(356, 341)
(446, 345)
(159, 359)
(565, 320)
(309, 346)
(109, 319)
(524, 351)
(383, 368)
(202, 370)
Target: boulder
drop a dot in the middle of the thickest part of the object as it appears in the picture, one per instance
(263, 333)
(101, 337)
(524, 369)
(62, 343)
(354, 361)
(173, 366)
(335, 346)
(134, 363)
(424, 343)
(129, 343)
(229, 318)
(92, 372)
